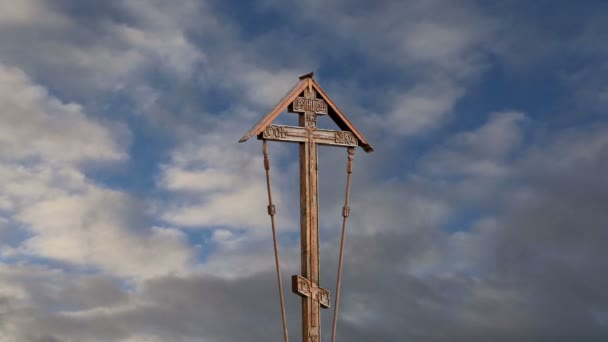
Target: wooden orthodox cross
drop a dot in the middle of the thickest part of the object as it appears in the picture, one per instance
(302, 99)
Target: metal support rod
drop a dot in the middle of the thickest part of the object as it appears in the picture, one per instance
(272, 212)
(345, 214)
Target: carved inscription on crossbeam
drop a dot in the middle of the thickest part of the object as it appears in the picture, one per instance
(309, 104)
(346, 138)
(301, 134)
(275, 132)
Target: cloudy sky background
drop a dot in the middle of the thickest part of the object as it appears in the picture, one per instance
(128, 212)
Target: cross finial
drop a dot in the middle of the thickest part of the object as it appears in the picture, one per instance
(309, 75)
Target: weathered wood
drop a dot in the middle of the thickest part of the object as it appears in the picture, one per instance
(306, 288)
(302, 104)
(309, 221)
(307, 82)
(302, 98)
(300, 135)
(305, 76)
(308, 103)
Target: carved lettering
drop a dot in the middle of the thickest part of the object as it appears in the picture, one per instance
(345, 138)
(274, 131)
(302, 104)
(320, 107)
(298, 104)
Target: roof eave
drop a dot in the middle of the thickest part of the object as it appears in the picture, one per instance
(278, 108)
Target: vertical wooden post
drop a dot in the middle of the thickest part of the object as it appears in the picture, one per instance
(311, 322)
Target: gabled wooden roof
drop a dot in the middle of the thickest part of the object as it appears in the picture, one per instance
(334, 112)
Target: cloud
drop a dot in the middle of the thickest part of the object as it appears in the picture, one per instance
(94, 52)
(509, 276)
(28, 11)
(493, 232)
(161, 36)
(165, 309)
(216, 182)
(38, 125)
(407, 278)
(67, 216)
(590, 87)
(95, 229)
(437, 49)
(233, 199)
(483, 152)
(422, 108)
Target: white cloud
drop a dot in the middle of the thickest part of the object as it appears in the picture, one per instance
(95, 229)
(168, 48)
(440, 42)
(44, 143)
(242, 255)
(394, 201)
(216, 182)
(482, 152)
(264, 87)
(38, 125)
(28, 11)
(116, 54)
(422, 108)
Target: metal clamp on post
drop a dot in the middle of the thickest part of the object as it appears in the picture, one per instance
(272, 210)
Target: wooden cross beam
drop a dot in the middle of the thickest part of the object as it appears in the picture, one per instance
(300, 135)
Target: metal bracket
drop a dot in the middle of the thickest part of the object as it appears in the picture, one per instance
(272, 210)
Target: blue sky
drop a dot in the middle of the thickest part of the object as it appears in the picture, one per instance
(129, 212)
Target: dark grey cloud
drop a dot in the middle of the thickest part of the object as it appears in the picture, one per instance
(541, 277)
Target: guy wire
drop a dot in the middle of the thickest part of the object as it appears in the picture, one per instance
(272, 212)
(345, 214)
